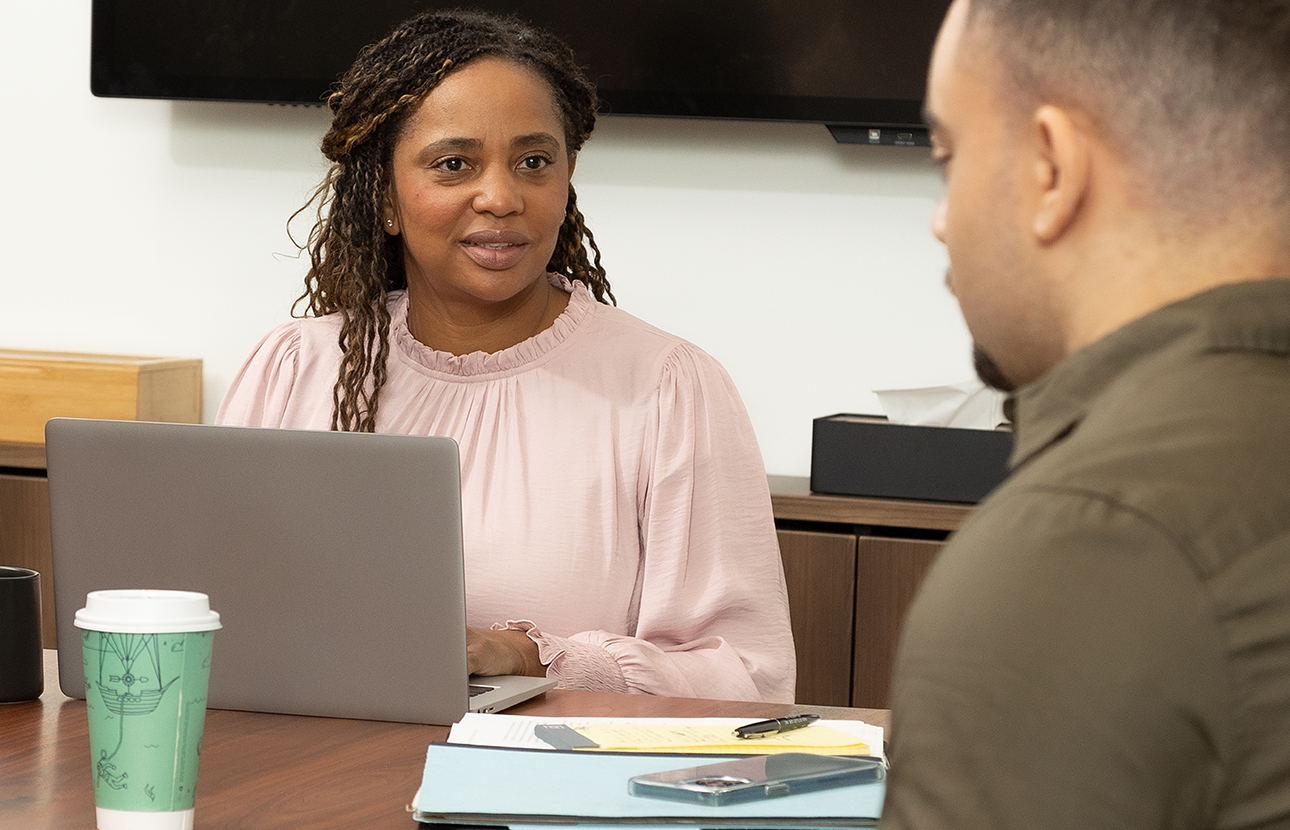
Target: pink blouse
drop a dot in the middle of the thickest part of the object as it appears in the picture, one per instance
(614, 501)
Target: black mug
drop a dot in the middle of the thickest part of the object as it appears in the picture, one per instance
(22, 662)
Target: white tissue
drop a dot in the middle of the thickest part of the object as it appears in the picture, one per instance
(968, 405)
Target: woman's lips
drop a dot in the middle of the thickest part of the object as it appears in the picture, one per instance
(495, 250)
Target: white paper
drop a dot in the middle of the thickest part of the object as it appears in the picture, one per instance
(517, 730)
(967, 405)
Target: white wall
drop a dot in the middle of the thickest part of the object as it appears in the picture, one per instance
(159, 228)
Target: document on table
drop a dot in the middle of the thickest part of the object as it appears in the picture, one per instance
(460, 786)
(689, 735)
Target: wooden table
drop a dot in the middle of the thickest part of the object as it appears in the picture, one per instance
(279, 771)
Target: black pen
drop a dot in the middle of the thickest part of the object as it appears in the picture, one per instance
(774, 726)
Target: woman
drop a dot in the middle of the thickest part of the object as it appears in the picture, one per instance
(616, 517)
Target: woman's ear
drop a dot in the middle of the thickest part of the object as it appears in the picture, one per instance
(1061, 172)
(389, 215)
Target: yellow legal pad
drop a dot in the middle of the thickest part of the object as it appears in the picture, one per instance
(716, 740)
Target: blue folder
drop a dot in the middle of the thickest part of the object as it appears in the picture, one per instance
(481, 785)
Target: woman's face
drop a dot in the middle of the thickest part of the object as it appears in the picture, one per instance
(480, 184)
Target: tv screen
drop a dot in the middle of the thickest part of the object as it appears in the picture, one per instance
(859, 66)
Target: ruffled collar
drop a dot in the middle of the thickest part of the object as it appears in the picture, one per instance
(477, 364)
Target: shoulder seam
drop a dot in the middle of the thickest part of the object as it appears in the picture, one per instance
(1146, 518)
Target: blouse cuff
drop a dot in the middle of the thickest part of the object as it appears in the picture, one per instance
(573, 665)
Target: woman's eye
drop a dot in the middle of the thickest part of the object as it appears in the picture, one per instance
(451, 165)
(534, 162)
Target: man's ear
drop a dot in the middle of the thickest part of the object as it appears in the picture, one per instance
(1061, 172)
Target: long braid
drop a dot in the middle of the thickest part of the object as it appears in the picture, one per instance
(354, 263)
(570, 255)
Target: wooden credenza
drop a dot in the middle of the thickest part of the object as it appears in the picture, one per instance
(37, 386)
(852, 565)
(24, 521)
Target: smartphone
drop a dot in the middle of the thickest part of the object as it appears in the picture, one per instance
(760, 776)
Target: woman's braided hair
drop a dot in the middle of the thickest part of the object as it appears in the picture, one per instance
(354, 263)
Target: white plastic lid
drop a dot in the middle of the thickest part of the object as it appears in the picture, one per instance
(147, 612)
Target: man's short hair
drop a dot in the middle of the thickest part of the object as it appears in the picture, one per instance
(1195, 94)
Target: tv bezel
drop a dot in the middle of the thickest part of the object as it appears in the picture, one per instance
(851, 120)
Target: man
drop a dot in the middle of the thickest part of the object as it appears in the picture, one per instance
(1105, 643)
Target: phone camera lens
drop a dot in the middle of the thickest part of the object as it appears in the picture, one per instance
(717, 782)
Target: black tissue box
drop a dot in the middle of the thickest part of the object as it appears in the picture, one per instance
(866, 455)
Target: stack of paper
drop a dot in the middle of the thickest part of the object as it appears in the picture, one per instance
(477, 785)
(689, 735)
(495, 771)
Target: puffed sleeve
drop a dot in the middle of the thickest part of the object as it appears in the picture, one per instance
(262, 390)
(713, 615)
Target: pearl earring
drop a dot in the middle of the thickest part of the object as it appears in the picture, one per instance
(389, 223)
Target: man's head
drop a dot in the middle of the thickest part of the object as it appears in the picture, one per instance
(1104, 158)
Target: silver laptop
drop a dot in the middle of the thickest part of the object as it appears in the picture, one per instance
(334, 560)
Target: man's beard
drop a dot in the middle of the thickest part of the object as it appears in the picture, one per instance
(989, 372)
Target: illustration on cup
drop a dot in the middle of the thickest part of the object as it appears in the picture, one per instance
(131, 682)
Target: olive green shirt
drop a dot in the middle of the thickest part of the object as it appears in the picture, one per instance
(1105, 643)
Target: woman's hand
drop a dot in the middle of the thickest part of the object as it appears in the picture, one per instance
(502, 652)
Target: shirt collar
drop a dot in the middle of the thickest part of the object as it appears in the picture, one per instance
(1247, 316)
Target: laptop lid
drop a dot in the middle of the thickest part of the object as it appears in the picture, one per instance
(333, 558)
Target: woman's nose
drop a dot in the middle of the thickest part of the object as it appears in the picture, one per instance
(498, 193)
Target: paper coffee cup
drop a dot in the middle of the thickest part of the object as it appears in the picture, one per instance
(147, 667)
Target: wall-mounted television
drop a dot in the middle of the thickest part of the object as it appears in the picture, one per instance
(859, 66)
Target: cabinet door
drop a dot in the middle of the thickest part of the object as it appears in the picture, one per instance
(24, 538)
(820, 571)
(888, 573)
